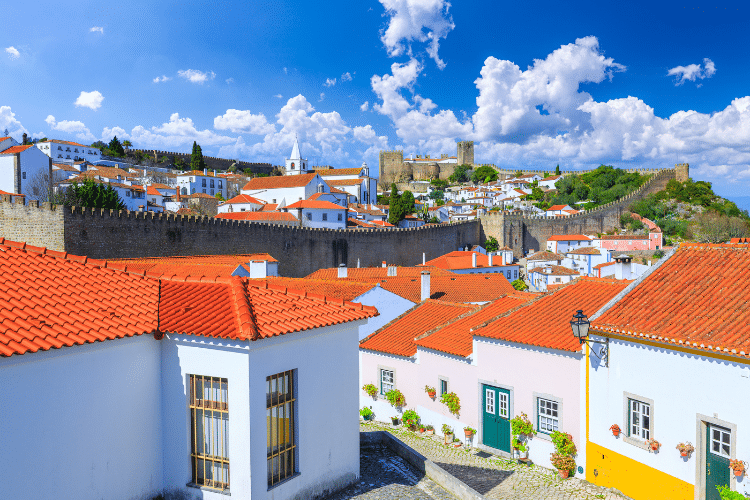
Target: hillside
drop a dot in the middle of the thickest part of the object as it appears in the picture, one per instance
(691, 211)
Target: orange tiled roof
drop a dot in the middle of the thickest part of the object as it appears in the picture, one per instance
(554, 271)
(244, 198)
(344, 182)
(739, 240)
(15, 149)
(283, 181)
(12, 194)
(151, 190)
(375, 273)
(3, 138)
(64, 167)
(338, 191)
(604, 264)
(108, 172)
(397, 337)
(451, 288)
(456, 337)
(58, 141)
(198, 173)
(258, 216)
(192, 267)
(625, 237)
(584, 251)
(339, 171)
(269, 207)
(356, 224)
(383, 223)
(545, 255)
(569, 237)
(556, 207)
(697, 298)
(318, 204)
(346, 290)
(460, 259)
(545, 322)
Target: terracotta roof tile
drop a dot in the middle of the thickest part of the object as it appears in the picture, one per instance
(569, 237)
(451, 288)
(625, 237)
(15, 149)
(344, 182)
(375, 273)
(585, 251)
(339, 171)
(283, 181)
(553, 270)
(462, 260)
(556, 207)
(244, 198)
(545, 255)
(338, 289)
(699, 297)
(317, 204)
(545, 322)
(258, 216)
(12, 194)
(397, 337)
(195, 267)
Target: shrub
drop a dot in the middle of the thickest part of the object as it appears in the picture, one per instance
(520, 424)
(727, 494)
(396, 398)
(447, 429)
(450, 399)
(563, 443)
(410, 417)
(520, 285)
(370, 389)
(563, 462)
(365, 412)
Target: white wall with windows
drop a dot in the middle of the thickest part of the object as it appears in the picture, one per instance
(19, 173)
(83, 422)
(321, 217)
(192, 183)
(65, 152)
(676, 395)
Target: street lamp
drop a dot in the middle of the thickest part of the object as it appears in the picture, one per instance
(580, 325)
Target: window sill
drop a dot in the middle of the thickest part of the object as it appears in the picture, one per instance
(285, 480)
(639, 443)
(207, 488)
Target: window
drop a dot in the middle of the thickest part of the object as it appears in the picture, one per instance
(515, 274)
(127, 193)
(212, 183)
(548, 419)
(23, 175)
(76, 150)
(340, 218)
(280, 413)
(192, 180)
(220, 185)
(204, 191)
(212, 192)
(309, 215)
(203, 183)
(59, 148)
(209, 422)
(502, 409)
(508, 274)
(59, 156)
(639, 419)
(721, 441)
(325, 216)
(386, 381)
(273, 201)
(443, 386)
(292, 165)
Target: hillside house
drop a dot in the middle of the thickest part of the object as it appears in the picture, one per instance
(24, 169)
(468, 262)
(585, 259)
(197, 182)
(285, 190)
(209, 390)
(67, 151)
(319, 214)
(565, 242)
(241, 203)
(541, 278)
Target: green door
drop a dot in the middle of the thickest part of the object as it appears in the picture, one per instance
(718, 451)
(496, 418)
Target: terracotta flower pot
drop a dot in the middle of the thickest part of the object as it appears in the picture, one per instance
(563, 473)
(615, 432)
(654, 447)
(431, 394)
(739, 472)
(468, 433)
(683, 453)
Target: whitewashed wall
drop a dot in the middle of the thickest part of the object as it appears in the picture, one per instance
(388, 304)
(82, 422)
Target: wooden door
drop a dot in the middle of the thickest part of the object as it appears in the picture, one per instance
(718, 451)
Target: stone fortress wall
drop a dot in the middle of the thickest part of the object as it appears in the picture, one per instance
(211, 161)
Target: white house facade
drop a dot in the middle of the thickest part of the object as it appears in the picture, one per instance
(23, 169)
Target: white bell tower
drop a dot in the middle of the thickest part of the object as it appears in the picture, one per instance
(295, 164)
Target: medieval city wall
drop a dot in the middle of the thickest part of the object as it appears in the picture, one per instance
(211, 161)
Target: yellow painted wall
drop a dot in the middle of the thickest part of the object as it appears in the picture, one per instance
(633, 478)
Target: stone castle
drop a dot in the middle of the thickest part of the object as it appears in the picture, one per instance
(393, 167)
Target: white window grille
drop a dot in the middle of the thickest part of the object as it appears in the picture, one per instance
(721, 443)
(640, 419)
(549, 420)
(386, 381)
(489, 401)
(502, 407)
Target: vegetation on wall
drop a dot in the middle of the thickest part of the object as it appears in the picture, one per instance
(400, 205)
(460, 173)
(484, 174)
(603, 185)
(491, 244)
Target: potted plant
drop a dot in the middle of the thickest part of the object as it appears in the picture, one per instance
(726, 493)
(450, 399)
(564, 444)
(738, 466)
(370, 389)
(430, 391)
(394, 420)
(429, 430)
(396, 398)
(685, 449)
(421, 429)
(653, 444)
(469, 431)
(447, 433)
(520, 448)
(367, 413)
(563, 463)
(456, 442)
(411, 419)
(615, 430)
(521, 429)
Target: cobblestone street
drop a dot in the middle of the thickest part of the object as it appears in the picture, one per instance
(493, 477)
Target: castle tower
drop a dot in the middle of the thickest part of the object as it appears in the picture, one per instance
(682, 172)
(465, 152)
(390, 164)
(295, 164)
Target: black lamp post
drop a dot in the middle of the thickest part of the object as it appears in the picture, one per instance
(580, 325)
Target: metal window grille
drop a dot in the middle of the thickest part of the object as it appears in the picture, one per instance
(640, 419)
(386, 381)
(280, 414)
(720, 441)
(209, 413)
(548, 416)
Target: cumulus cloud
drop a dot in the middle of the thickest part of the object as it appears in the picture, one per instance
(97, 29)
(162, 78)
(347, 77)
(243, 121)
(416, 21)
(196, 76)
(175, 133)
(693, 72)
(71, 127)
(109, 132)
(8, 121)
(365, 106)
(92, 100)
(12, 52)
(330, 82)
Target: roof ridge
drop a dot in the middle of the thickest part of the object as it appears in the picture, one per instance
(507, 313)
(453, 320)
(245, 319)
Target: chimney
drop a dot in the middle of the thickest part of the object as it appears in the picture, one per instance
(425, 286)
(623, 266)
(391, 270)
(473, 259)
(424, 261)
(384, 264)
(489, 259)
(25, 138)
(357, 263)
(205, 171)
(342, 270)
(214, 172)
(141, 207)
(258, 269)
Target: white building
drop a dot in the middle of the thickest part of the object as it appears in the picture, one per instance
(241, 203)
(68, 152)
(295, 164)
(156, 364)
(543, 277)
(23, 169)
(205, 182)
(354, 181)
(469, 262)
(563, 243)
(319, 213)
(286, 189)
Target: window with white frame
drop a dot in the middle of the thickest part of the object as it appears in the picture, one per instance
(502, 402)
(548, 417)
(639, 419)
(489, 401)
(721, 442)
(386, 381)
(443, 386)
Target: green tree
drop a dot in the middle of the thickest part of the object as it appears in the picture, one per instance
(407, 203)
(460, 173)
(395, 210)
(557, 169)
(126, 143)
(520, 285)
(439, 183)
(519, 173)
(99, 145)
(491, 244)
(484, 174)
(115, 147)
(90, 194)
(196, 158)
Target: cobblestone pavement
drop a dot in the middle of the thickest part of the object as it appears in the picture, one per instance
(495, 477)
(385, 475)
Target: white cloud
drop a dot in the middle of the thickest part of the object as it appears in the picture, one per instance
(365, 106)
(71, 127)
(285, 71)
(229, 80)
(693, 72)
(278, 96)
(175, 133)
(196, 76)
(97, 29)
(322, 96)
(162, 78)
(416, 20)
(330, 82)
(8, 121)
(347, 77)
(108, 133)
(92, 100)
(243, 121)
(12, 52)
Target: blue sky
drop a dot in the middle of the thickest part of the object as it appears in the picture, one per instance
(532, 83)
